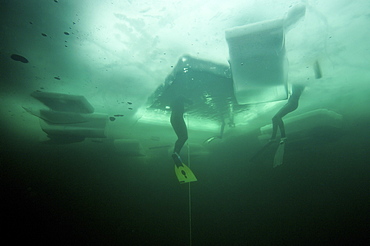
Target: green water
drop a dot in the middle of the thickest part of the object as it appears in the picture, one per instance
(116, 53)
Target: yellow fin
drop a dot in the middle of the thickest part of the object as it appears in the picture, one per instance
(184, 174)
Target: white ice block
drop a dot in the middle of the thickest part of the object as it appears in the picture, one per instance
(92, 126)
(258, 61)
(257, 56)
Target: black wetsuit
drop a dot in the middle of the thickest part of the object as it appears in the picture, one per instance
(178, 123)
(290, 106)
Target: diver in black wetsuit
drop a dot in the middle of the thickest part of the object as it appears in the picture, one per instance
(291, 105)
(179, 126)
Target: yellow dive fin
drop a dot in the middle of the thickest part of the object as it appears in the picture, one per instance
(184, 174)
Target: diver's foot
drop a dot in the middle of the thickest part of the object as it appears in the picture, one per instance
(177, 159)
(208, 140)
(282, 140)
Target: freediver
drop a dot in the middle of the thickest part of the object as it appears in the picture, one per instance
(183, 172)
(290, 106)
(179, 126)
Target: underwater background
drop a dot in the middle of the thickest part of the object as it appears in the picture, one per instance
(121, 189)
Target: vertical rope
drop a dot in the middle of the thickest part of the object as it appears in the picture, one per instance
(190, 229)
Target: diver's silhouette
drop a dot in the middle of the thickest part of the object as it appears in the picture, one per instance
(291, 105)
(179, 126)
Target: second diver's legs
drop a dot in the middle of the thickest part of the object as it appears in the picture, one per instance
(277, 120)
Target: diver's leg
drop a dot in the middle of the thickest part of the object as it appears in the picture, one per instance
(274, 130)
(182, 135)
(179, 126)
(282, 129)
(276, 123)
(277, 120)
